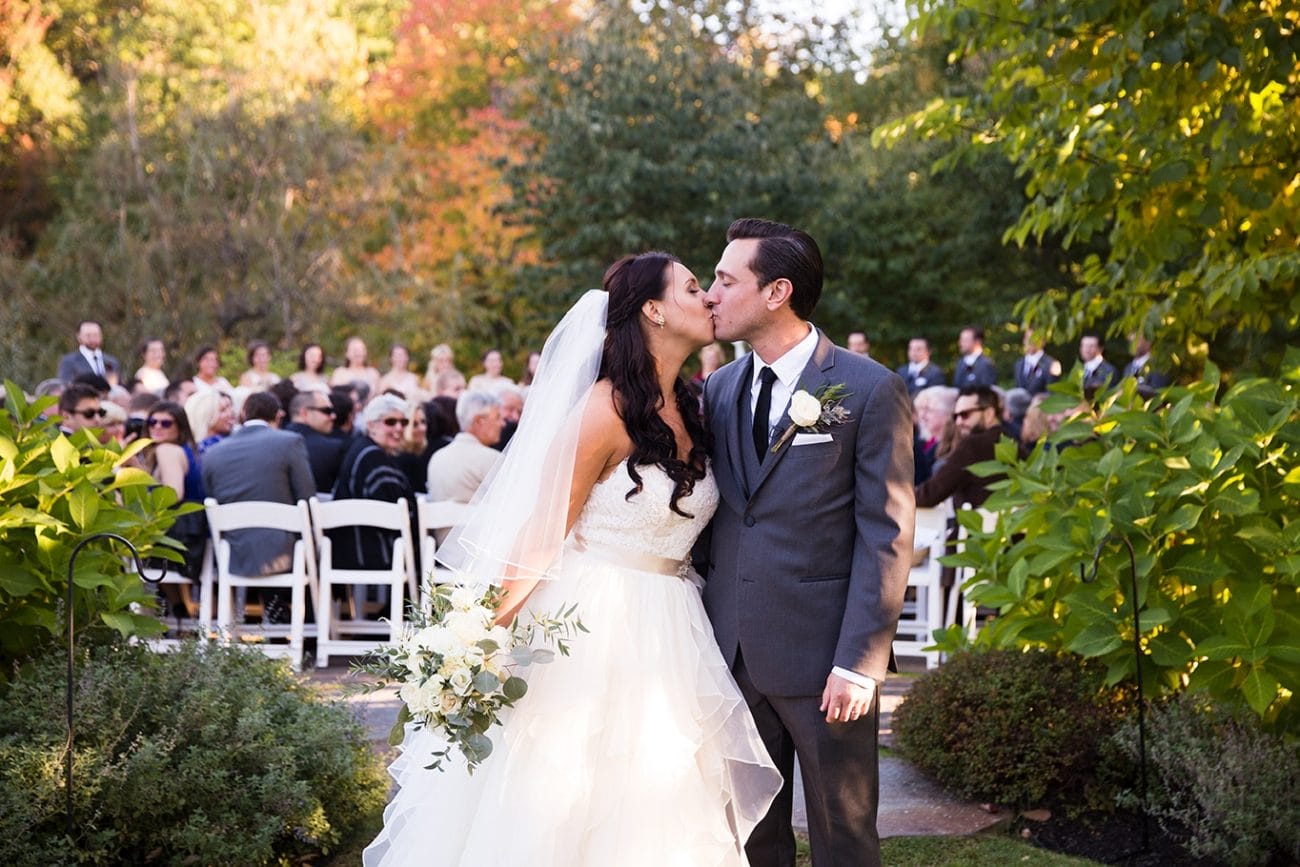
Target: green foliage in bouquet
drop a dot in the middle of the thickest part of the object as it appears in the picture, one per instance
(457, 671)
(1207, 489)
(210, 755)
(56, 490)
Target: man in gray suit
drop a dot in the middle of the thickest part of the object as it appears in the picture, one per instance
(258, 462)
(811, 542)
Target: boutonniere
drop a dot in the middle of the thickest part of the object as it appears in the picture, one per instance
(815, 412)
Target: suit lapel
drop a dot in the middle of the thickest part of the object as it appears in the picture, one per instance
(815, 375)
(727, 467)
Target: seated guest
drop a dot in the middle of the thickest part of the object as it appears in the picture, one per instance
(933, 411)
(311, 369)
(440, 416)
(258, 377)
(370, 471)
(49, 388)
(344, 414)
(313, 420)
(179, 390)
(456, 471)
(258, 462)
(976, 417)
(450, 383)
(173, 460)
(212, 417)
(153, 355)
(1015, 403)
(95, 381)
(114, 429)
(512, 406)
(412, 458)
(285, 391)
(80, 408)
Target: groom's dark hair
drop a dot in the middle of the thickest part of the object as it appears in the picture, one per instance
(784, 251)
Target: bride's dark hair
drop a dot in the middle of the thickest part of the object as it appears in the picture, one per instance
(627, 363)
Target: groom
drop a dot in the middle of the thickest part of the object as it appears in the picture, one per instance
(811, 542)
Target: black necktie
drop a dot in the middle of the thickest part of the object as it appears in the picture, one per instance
(763, 411)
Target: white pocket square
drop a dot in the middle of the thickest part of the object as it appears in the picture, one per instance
(807, 439)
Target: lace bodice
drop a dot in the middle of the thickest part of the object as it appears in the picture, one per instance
(645, 522)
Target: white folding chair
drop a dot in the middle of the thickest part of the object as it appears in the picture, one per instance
(300, 578)
(923, 609)
(203, 625)
(959, 592)
(375, 514)
(432, 516)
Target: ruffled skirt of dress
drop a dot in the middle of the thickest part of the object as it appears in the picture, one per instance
(637, 749)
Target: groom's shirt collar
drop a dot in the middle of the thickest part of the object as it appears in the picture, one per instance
(789, 367)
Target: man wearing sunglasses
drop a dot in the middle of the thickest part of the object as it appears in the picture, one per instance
(313, 415)
(976, 417)
(79, 408)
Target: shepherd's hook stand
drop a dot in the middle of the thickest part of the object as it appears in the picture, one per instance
(68, 607)
(1137, 668)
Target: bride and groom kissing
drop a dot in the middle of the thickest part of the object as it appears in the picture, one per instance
(669, 735)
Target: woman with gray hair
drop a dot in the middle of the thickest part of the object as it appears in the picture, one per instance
(371, 470)
(933, 408)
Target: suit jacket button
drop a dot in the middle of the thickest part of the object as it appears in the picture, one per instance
(750, 521)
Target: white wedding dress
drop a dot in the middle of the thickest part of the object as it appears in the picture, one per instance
(637, 749)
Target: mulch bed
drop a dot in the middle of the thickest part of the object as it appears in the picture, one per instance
(1112, 838)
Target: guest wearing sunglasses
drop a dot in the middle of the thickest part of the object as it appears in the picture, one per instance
(976, 417)
(80, 408)
(313, 420)
(371, 471)
(172, 459)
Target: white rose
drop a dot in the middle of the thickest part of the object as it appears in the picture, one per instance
(805, 410)
(468, 627)
(460, 681)
(448, 703)
(500, 635)
(464, 598)
(436, 639)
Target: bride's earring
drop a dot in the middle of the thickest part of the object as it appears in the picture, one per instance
(660, 320)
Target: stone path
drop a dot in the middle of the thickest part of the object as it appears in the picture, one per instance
(910, 804)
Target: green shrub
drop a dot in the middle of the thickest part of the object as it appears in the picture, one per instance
(209, 755)
(1207, 489)
(56, 490)
(1012, 728)
(1220, 775)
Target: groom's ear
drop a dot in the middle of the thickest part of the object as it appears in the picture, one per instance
(780, 291)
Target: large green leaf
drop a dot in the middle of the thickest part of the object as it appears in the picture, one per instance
(1259, 688)
(1095, 641)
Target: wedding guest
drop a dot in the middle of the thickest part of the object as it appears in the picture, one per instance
(285, 391)
(95, 381)
(858, 343)
(491, 379)
(399, 377)
(412, 457)
(440, 415)
(89, 356)
(51, 387)
(312, 415)
(1149, 380)
(370, 471)
(173, 460)
(179, 390)
(311, 369)
(207, 361)
(919, 373)
(153, 355)
(80, 408)
(512, 407)
(976, 417)
(1098, 373)
(1037, 424)
(345, 411)
(114, 424)
(357, 368)
(258, 377)
(441, 360)
(450, 383)
(530, 370)
(711, 358)
(1015, 403)
(1036, 370)
(456, 471)
(211, 415)
(119, 395)
(933, 409)
(974, 367)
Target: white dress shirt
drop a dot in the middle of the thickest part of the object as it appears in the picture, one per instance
(788, 368)
(1091, 366)
(1032, 361)
(95, 358)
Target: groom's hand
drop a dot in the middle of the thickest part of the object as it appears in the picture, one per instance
(845, 701)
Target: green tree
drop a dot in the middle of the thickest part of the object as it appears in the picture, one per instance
(1170, 130)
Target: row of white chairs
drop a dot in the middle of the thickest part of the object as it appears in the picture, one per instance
(311, 572)
(930, 606)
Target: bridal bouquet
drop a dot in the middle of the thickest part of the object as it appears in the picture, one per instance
(457, 670)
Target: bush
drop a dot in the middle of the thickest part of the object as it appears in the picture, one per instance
(56, 490)
(1011, 727)
(1219, 774)
(206, 756)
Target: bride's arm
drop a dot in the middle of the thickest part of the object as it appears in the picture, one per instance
(602, 444)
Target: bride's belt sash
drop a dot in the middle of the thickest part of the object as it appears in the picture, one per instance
(629, 559)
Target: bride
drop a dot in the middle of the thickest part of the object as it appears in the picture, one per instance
(636, 749)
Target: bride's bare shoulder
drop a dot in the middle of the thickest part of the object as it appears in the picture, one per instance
(601, 421)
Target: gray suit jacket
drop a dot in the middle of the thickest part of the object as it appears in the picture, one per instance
(259, 463)
(811, 551)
